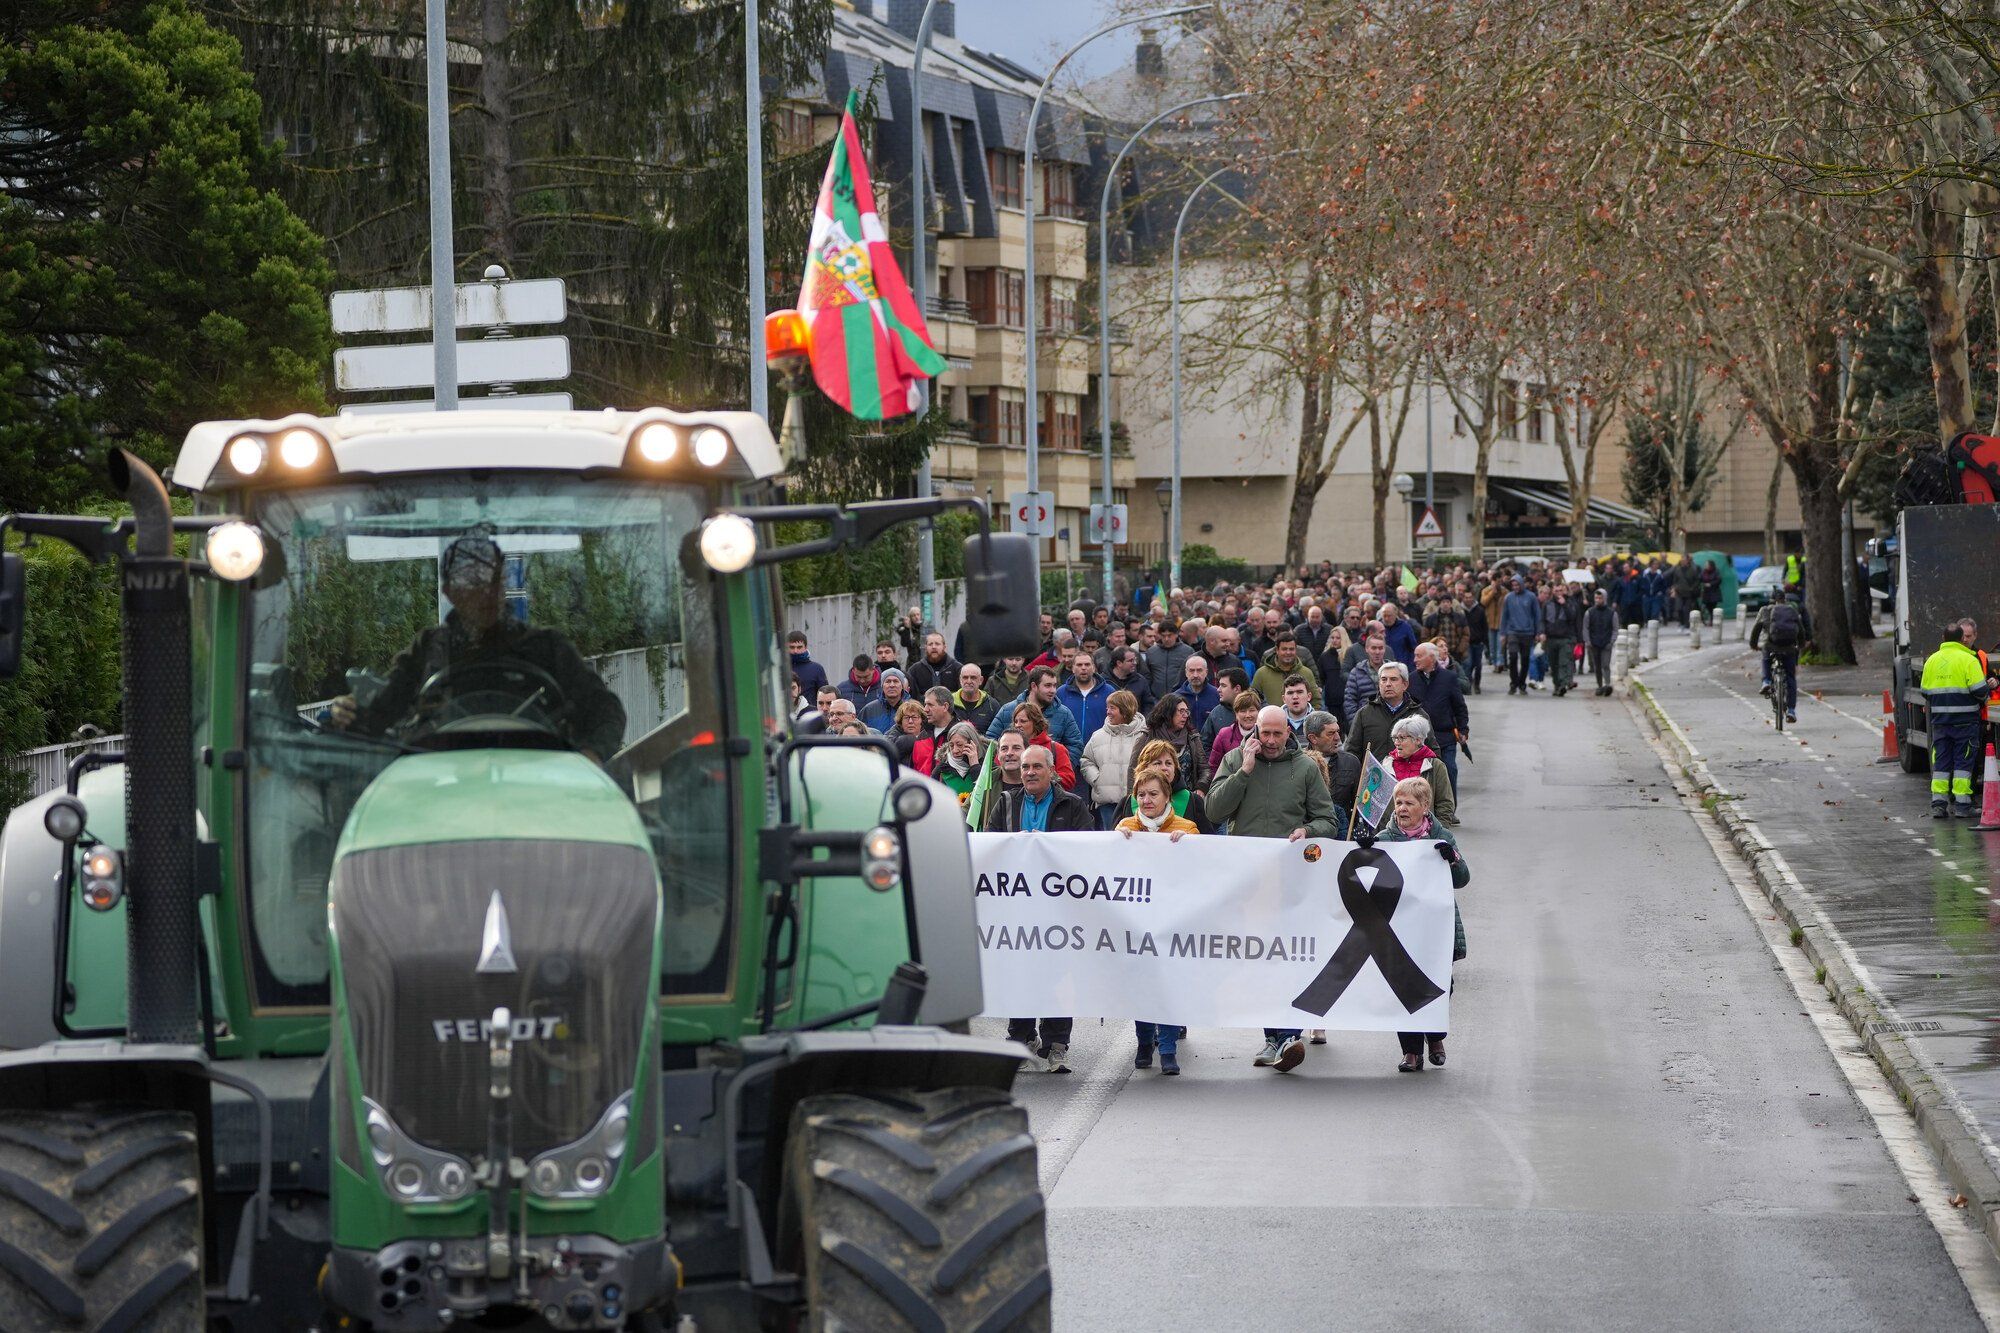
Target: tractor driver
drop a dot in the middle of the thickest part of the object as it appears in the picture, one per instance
(477, 631)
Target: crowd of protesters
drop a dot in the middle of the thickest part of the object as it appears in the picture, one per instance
(1246, 709)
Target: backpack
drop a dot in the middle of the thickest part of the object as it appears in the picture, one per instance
(1785, 626)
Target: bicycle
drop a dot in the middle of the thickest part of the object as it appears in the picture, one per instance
(1784, 686)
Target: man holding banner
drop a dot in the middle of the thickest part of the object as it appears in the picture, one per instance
(1038, 805)
(1268, 789)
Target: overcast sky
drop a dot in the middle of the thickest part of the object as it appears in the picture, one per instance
(1035, 32)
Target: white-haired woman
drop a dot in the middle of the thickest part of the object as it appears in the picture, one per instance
(1411, 820)
(957, 767)
(1412, 757)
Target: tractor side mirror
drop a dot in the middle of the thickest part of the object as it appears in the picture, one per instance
(1002, 602)
(13, 610)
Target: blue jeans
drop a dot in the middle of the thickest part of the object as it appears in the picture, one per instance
(1447, 749)
(1166, 1036)
(1496, 647)
(1107, 816)
(1281, 1035)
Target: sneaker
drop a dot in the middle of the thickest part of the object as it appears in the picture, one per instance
(1963, 809)
(1791, 716)
(1765, 689)
(1034, 1064)
(1144, 1058)
(1319, 1036)
(1058, 1058)
(1290, 1055)
(1938, 810)
(1269, 1055)
(1169, 1063)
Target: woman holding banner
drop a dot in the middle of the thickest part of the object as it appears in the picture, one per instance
(1153, 792)
(1161, 757)
(1411, 820)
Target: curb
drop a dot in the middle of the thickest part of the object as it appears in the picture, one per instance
(1942, 1122)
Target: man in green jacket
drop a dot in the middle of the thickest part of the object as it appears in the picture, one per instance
(1268, 788)
(1283, 660)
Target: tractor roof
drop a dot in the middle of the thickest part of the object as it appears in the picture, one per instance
(451, 441)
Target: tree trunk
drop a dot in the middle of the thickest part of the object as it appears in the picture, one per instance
(1380, 475)
(1482, 467)
(496, 214)
(1771, 509)
(1817, 476)
(1934, 278)
(1307, 475)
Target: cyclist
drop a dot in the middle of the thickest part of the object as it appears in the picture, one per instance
(1782, 627)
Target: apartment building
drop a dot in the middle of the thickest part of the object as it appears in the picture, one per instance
(974, 123)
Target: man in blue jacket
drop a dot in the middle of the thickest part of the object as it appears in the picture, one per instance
(1399, 634)
(1062, 722)
(810, 673)
(1520, 622)
(1201, 695)
(1435, 689)
(1084, 695)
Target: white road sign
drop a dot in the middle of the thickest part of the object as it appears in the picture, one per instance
(477, 305)
(1034, 512)
(481, 361)
(1121, 528)
(513, 402)
(1428, 527)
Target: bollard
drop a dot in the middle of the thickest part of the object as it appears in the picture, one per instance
(1618, 664)
(1652, 650)
(1631, 637)
(1694, 632)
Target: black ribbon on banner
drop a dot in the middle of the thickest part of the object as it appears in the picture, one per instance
(1371, 936)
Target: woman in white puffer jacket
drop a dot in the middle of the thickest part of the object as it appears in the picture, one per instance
(1107, 756)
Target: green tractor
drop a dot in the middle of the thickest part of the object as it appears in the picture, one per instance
(477, 940)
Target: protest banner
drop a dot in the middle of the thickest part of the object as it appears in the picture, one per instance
(1215, 931)
(1375, 795)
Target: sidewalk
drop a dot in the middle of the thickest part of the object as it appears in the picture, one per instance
(1896, 909)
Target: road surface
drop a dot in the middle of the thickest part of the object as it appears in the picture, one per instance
(1640, 1124)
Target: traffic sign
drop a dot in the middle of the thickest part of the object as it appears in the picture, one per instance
(480, 361)
(1428, 527)
(475, 305)
(513, 402)
(1034, 512)
(1121, 530)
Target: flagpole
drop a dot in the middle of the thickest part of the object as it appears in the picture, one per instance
(753, 119)
(920, 281)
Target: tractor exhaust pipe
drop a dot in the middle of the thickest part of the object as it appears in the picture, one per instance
(163, 958)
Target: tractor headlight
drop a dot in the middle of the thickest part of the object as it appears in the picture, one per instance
(64, 819)
(912, 801)
(881, 858)
(657, 442)
(300, 448)
(235, 551)
(584, 1169)
(412, 1172)
(246, 455)
(711, 446)
(728, 543)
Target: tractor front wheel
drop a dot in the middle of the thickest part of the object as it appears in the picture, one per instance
(916, 1210)
(100, 1221)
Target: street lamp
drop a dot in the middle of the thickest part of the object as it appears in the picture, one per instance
(1168, 494)
(1028, 216)
(920, 280)
(1104, 306)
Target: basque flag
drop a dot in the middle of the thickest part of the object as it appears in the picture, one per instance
(869, 346)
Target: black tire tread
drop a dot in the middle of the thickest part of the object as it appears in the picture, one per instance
(102, 1233)
(916, 1210)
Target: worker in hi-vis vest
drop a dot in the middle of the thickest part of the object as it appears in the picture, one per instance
(1955, 686)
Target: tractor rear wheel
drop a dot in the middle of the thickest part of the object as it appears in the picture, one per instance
(100, 1221)
(916, 1210)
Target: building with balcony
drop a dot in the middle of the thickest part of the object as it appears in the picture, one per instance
(974, 121)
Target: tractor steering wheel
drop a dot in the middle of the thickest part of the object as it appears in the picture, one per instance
(504, 694)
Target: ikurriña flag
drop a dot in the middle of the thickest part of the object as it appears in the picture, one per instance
(870, 349)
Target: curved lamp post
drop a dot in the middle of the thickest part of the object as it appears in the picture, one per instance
(1028, 213)
(1104, 313)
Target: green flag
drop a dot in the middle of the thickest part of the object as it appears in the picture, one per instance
(976, 800)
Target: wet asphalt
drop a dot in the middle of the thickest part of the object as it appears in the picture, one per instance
(1913, 896)
(1640, 1126)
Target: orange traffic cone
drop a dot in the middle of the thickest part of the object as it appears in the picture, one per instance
(1989, 811)
(1891, 751)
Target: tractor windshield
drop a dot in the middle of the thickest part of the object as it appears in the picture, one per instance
(445, 612)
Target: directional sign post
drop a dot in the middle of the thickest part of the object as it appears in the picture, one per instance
(485, 361)
(1120, 530)
(1034, 512)
(475, 305)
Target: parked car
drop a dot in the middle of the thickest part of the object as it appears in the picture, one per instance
(1756, 591)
